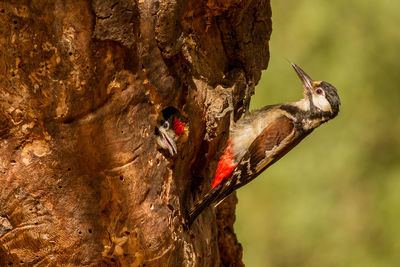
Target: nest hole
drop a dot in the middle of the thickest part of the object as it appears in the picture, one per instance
(165, 115)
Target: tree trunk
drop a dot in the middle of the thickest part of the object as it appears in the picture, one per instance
(82, 181)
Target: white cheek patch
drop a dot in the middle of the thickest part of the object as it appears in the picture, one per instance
(321, 102)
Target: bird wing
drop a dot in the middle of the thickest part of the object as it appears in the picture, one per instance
(278, 138)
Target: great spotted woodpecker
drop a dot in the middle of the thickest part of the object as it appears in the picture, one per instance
(170, 127)
(264, 136)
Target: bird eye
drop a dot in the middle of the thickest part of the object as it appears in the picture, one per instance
(319, 91)
(165, 125)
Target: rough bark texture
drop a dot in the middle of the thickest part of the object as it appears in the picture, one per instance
(82, 181)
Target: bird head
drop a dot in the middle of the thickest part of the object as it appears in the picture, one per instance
(323, 97)
(170, 127)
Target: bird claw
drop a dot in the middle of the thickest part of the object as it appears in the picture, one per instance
(247, 98)
(228, 109)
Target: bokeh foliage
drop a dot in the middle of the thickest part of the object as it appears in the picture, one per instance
(335, 199)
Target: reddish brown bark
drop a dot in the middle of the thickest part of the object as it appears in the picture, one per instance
(81, 85)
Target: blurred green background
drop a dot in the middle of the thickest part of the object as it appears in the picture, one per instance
(334, 200)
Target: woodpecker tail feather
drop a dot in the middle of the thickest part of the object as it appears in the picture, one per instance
(203, 203)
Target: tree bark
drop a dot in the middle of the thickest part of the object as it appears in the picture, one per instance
(82, 181)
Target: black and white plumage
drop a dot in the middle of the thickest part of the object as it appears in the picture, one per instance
(170, 127)
(264, 136)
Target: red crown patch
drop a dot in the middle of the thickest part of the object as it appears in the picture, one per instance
(178, 126)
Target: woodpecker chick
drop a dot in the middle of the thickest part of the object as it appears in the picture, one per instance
(264, 136)
(170, 127)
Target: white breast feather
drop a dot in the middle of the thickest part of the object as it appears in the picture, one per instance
(248, 128)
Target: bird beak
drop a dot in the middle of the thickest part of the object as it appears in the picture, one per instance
(168, 142)
(305, 79)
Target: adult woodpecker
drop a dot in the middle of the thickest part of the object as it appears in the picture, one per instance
(170, 127)
(264, 136)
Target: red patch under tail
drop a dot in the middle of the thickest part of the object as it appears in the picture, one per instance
(225, 165)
